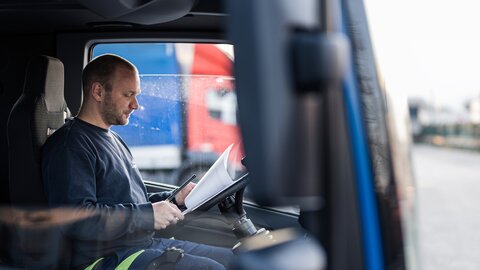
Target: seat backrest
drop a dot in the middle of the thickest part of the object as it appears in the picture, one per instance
(39, 111)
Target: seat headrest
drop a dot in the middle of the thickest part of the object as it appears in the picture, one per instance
(46, 72)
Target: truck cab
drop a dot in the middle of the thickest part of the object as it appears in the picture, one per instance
(293, 84)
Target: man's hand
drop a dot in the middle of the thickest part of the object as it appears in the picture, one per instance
(180, 197)
(165, 214)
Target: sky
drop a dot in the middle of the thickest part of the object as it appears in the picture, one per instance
(428, 48)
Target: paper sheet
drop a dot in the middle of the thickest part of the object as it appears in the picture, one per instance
(213, 182)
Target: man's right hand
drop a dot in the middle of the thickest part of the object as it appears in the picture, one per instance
(165, 214)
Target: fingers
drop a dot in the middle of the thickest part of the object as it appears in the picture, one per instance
(173, 219)
(189, 188)
(166, 214)
(180, 198)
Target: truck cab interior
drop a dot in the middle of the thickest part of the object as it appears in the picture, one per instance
(326, 179)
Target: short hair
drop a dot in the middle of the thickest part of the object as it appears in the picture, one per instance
(101, 70)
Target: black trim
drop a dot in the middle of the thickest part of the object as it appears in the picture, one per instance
(375, 111)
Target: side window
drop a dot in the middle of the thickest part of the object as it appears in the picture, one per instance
(187, 107)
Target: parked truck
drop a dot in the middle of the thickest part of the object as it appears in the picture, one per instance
(187, 112)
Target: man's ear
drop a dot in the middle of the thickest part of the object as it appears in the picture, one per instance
(97, 91)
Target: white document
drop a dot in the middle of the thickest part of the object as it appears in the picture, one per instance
(215, 180)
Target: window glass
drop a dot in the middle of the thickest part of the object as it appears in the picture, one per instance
(187, 112)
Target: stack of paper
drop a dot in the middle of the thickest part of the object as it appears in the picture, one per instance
(215, 180)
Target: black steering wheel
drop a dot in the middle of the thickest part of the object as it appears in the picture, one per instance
(237, 188)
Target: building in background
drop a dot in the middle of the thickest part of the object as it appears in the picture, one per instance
(444, 126)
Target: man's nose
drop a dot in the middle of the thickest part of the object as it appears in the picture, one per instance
(134, 104)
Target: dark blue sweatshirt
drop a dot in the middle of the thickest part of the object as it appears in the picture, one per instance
(91, 168)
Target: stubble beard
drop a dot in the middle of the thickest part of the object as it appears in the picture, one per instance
(110, 113)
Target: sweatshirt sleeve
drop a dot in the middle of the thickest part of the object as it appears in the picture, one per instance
(69, 176)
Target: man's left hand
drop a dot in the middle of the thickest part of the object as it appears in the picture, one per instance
(180, 197)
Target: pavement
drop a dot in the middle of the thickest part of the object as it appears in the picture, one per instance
(448, 189)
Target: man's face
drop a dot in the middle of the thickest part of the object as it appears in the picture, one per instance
(121, 100)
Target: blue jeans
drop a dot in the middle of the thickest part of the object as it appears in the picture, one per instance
(196, 256)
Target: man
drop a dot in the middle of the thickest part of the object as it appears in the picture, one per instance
(87, 165)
